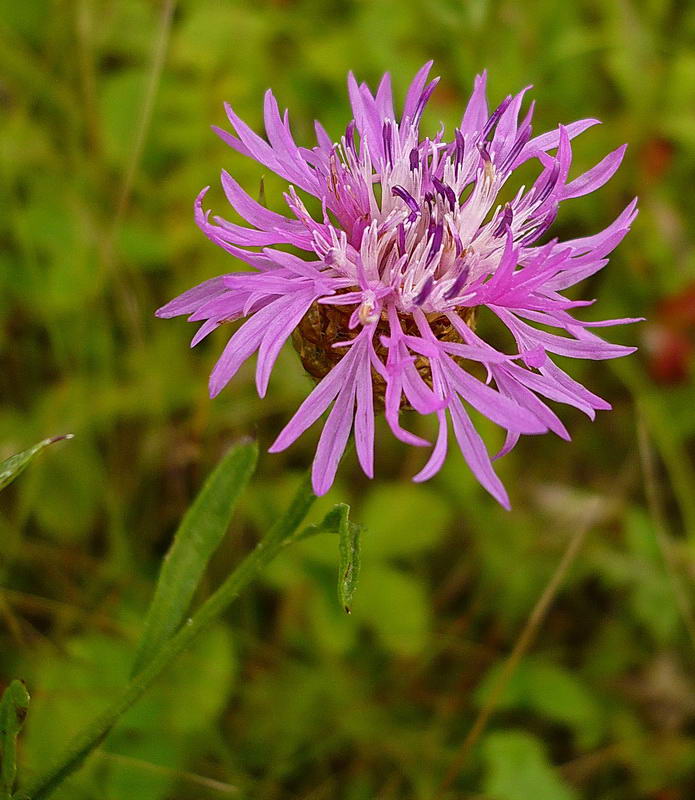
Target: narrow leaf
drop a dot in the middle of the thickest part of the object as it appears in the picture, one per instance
(11, 467)
(13, 711)
(338, 521)
(196, 539)
(349, 564)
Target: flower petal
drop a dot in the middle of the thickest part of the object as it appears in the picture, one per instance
(595, 177)
(191, 300)
(476, 454)
(333, 440)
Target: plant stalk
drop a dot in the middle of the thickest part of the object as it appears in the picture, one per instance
(279, 535)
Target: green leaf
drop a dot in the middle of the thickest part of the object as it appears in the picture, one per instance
(135, 760)
(13, 711)
(337, 520)
(552, 692)
(651, 599)
(402, 522)
(11, 467)
(517, 768)
(396, 606)
(198, 536)
(349, 563)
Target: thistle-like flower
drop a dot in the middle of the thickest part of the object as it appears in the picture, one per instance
(411, 243)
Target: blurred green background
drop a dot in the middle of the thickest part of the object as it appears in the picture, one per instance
(288, 698)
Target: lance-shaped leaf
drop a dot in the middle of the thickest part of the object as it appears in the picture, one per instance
(196, 539)
(349, 564)
(11, 467)
(338, 521)
(13, 711)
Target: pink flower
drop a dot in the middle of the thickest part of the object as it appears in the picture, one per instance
(411, 244)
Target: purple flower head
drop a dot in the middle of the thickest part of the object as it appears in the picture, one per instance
(412, 242)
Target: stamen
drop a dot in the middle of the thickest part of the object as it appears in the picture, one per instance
(520, 142)
(424, 97)
(388, 144)
(549, 185)
(350, 136)
(460, 148)
(408, 199)
(488, 168)
(437, 237)
(494, 117)
(425, 292)
(541, 229)
(446, 192)
(505, 221)
(458, 284)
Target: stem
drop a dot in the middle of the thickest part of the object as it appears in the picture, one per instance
(158, 57)
(664, 538)
(668, 444)
(523, 643)
(126, 280)
(82, 745)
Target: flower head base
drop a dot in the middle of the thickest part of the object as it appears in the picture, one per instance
(410, 244)
(323, 325)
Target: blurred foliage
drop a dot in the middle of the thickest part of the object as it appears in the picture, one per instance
(291, 698)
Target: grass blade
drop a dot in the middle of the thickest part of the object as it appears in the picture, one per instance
(13, 711)
(196, 539)
(13, 466)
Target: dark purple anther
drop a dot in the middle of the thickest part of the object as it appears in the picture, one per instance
(505, 221)
(424, 97)
(460, 147)
(359, 227)
(445, 191)
(414, 158)
(521, 140)
(411, 202)
(437, 237)
(425, 292)
(536, 233)
(450, 196)
(495, 116)
(549, 185)
(484, 154)
(388, 144)
(457, 285)
(401, 238)
(350, 136)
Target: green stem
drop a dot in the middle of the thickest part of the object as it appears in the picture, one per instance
(669, 444)
(279, 535)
